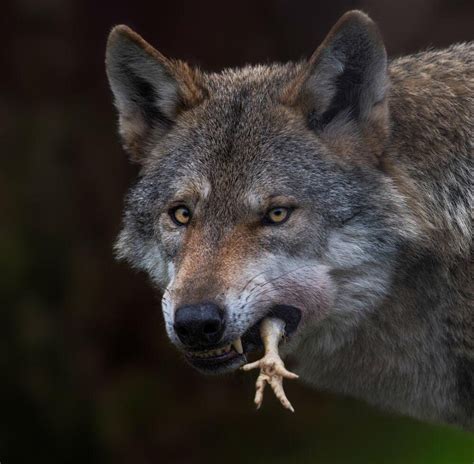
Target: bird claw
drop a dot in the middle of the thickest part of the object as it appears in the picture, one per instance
(272, 372)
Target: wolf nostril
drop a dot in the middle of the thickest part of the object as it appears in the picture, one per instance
(199, 325)
(211, 327)
(182, 331)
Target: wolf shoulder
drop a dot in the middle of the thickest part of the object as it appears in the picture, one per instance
(432, 94)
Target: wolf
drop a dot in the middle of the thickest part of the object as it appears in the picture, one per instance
(333, 193)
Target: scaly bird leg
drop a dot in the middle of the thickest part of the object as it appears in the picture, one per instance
(272, 369)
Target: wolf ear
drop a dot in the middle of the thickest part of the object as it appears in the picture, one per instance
(149, 90)
(345, 80)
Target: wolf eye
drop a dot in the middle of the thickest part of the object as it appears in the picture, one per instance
(277, 215)
(180, 215)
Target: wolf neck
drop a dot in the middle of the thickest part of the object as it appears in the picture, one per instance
(400, 357)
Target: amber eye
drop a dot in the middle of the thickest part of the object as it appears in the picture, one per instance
(180, 215)
(277, 215)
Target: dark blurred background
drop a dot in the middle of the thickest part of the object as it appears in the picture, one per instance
(87, 374)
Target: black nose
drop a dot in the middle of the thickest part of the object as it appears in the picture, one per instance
(199, 325)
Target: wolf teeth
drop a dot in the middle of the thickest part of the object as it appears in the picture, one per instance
(210, 353)
(237, 344)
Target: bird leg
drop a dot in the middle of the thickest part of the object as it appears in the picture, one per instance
(272, 369)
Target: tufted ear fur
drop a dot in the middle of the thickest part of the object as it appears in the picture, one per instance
(343, 88)
(150, 91)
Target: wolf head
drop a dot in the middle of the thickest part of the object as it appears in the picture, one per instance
(260, 191)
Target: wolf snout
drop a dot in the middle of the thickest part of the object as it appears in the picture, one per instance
(199, 325)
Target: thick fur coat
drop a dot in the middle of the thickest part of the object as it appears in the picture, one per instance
(371, 163)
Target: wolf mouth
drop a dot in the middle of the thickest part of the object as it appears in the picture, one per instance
(233, 355)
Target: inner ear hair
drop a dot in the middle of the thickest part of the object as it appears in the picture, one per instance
(150, 91)
(343, 86)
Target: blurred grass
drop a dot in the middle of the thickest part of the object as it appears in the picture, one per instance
(355, 434)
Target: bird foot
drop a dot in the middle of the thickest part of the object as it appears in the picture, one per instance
(272, 372)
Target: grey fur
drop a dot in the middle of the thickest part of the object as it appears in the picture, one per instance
(378, 251)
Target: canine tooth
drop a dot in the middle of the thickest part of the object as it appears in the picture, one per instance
(237, 344)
